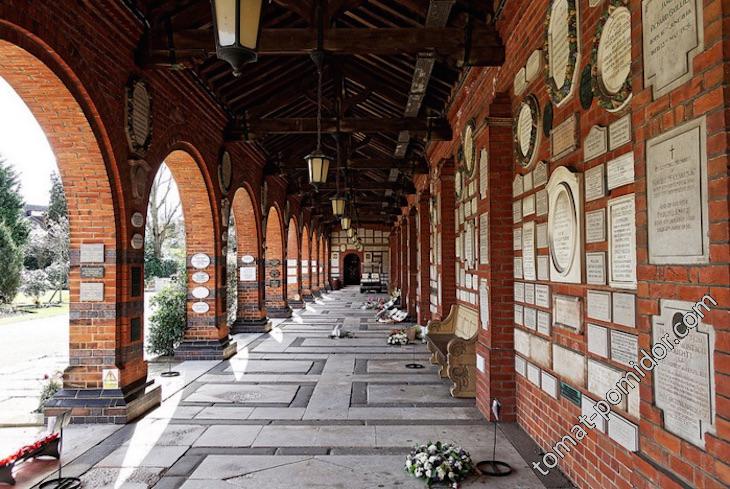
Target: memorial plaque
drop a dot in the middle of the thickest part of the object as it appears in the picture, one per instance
(530, 293)
(612, 59)
(91, 292)
(533, 374)
(519, 319)
(200, 307)
(624, 309)
(624, 347)
(520, 82)
(527, 182)
(137, 220)
(549, 385)
(92, 272)
(484, 239)
(595, 143)
(570, 393)
(540, 174)
(201, 292)
(91, 253)
(543, 323)
(565, 226)
(200, 261)
(517, 211)
(522, 342)
(596, 226)
(528, 205)
(684, 386)
(562, 49)
(588, 408)
(541, 202)
(673, 33)
(595, 183)
(620, 171)
(598, 305)
(542, 295)
(200, 277)
(602, 378)
(519, 291)
(517, 186)
(526, 131)
(619, 132)
(540, 351)
(569, 365)
(247, 274)
(484, 303)
(677, 195)
(520, 365)
(596, 268)
(564, 137)
(534, 66)
(529, 271)
(567, 312)
(585, 87)
(541, 235)
(623, 432)
(530, 318)
(483, 172)
(622, 242)
(543, 267)
(598, 340)
(518, 267)
(517, 238)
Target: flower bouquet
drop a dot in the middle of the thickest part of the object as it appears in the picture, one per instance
(398, 337)
(439, 463)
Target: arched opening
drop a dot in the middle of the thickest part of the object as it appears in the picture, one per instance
(275, 278)
(322, 260)
(95, 333)
(314, 263)
(305, 265)
(352, 269)
(293, 286)
(250, 315)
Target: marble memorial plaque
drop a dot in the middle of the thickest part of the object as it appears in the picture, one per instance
(481, 363)
(596, 143)
(200, 261)
(517, 238)
(624, 309)
(517, 211)
(522, 342)
(540, 174)
(533, 374)
(518, 267)
(595, 183)
(519, 318)
(602, 378)
(543, 267)
(534, 66)
(541, 235)
(200, 307)
(598, 340)
(562, 54)
(527, 182)
(91, 253)
(92, 271)
(596, 268)
(673, 33)
(588, 409)
(541, 202)
(483, 172)
(530, 293)
(623, 432)
(137, 220)
(91, 292)
(484, 239)
(596, 226)
(529, 271)
(530, 318)
(598, 305)
(528, 205)
(520, 82)
(567, 312)
(619, 132)
(620, 171)
(247, 274)
(542, 295)
(613, 57)
(520, 365)
(624, 347)
(517, 186)
(622, 242)
(543, 323)
(201, 292)
(550, 385)
(564, 137)
(484, 303)
(569, 365)
(541, 351)
(519, 291)
(200, 277)
(677, 195)
(565, 226)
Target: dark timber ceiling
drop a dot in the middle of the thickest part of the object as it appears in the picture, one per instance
(389, 70)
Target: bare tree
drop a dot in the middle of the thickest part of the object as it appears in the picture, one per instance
(163, 212)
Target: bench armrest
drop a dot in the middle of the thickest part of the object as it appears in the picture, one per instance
(461, 351)
(445, 326)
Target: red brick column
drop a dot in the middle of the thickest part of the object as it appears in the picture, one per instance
(394, 242)
(274, 267)
(447, 269)
(403, 262)
(412, 263)
(305, 265)
(424, 261)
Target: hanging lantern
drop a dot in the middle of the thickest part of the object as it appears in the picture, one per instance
(237, 25)
(345, 222)
(338, 205)
(319, 165)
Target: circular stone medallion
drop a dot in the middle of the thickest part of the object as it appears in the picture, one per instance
(224, 172)
(201, 292)
(469, 149)
(200, 277)
(200, 261)
(563, 228)
(137, 220)
(200, 307)
(561, 48)
(526, 131)
(612, 58)
(247, 259)
(137, 241)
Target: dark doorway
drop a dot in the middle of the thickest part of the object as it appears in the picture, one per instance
(352, 269)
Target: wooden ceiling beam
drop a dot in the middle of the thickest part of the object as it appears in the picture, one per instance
(436, 129)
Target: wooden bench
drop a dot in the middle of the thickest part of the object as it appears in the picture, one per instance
(452, 343)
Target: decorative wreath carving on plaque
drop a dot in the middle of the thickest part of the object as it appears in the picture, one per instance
(224, 172)
(613, 92)
(469, 148)
(138, 111)
(559, 93)
(526, 131)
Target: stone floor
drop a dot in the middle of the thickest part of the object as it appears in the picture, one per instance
(296, 409)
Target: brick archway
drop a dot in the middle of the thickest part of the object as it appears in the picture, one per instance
(314, 263)
(306, 271)
(251, 316)
(322, 264)
(293, 281)
(275, 271)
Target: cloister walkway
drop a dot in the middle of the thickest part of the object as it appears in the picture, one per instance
(296, 409)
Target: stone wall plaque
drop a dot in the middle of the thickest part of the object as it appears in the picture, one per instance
(612, 58)
(522, 342)
(517, 188)
(201, 292)
(541, 234)
(622, 242)
(541, 202)
(677, 195)
(137, 241)
(543, 323)
(596, 226)
(528, 251)
(519, 291)
(91, 292)
(530, 293)
(138, 113)
(225, 171)
(597, 340)
(684, 386)
(200, 307)
(624, 309)
(595, 183)
(623, 432)
(484, 239)
(91, 253)
(620, 171)
(596, 143)
(598, 305)
(527, 182)
(564, 137)
(534, 65)
(562, 49)
(565, 226)
(540, 350)
(484, 303)
(528, 205)
(673, 33)
(533, 374)
(549, 385)
(517, 211)
(517, 238)
(569, 365)
(596, 268)
(542, 295)
(200, 277)
(483, 172)
(520, 83)
(518, 267)
(520, 365)
(519, 315)
(527, 131)
(624, 347)
(200, 261)
(247, 274)
(619, 132)
(92, 271)
(543, 267)
(588, 408)
(137, 220)
(602, 378)
(540, 174)
(567, 312)
(530, 318)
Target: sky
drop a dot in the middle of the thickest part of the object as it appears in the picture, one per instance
(24, 144)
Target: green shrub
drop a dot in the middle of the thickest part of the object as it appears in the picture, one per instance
(169, 319)
(11, 265)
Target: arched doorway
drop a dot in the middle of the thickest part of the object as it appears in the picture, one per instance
(275, 272)
(352, 270)
(305, 268)
(293, 288)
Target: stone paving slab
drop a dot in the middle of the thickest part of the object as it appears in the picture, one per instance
(244, 394)
(228, 436)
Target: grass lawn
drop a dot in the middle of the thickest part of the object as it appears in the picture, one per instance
(28, 313)
(23, 300)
